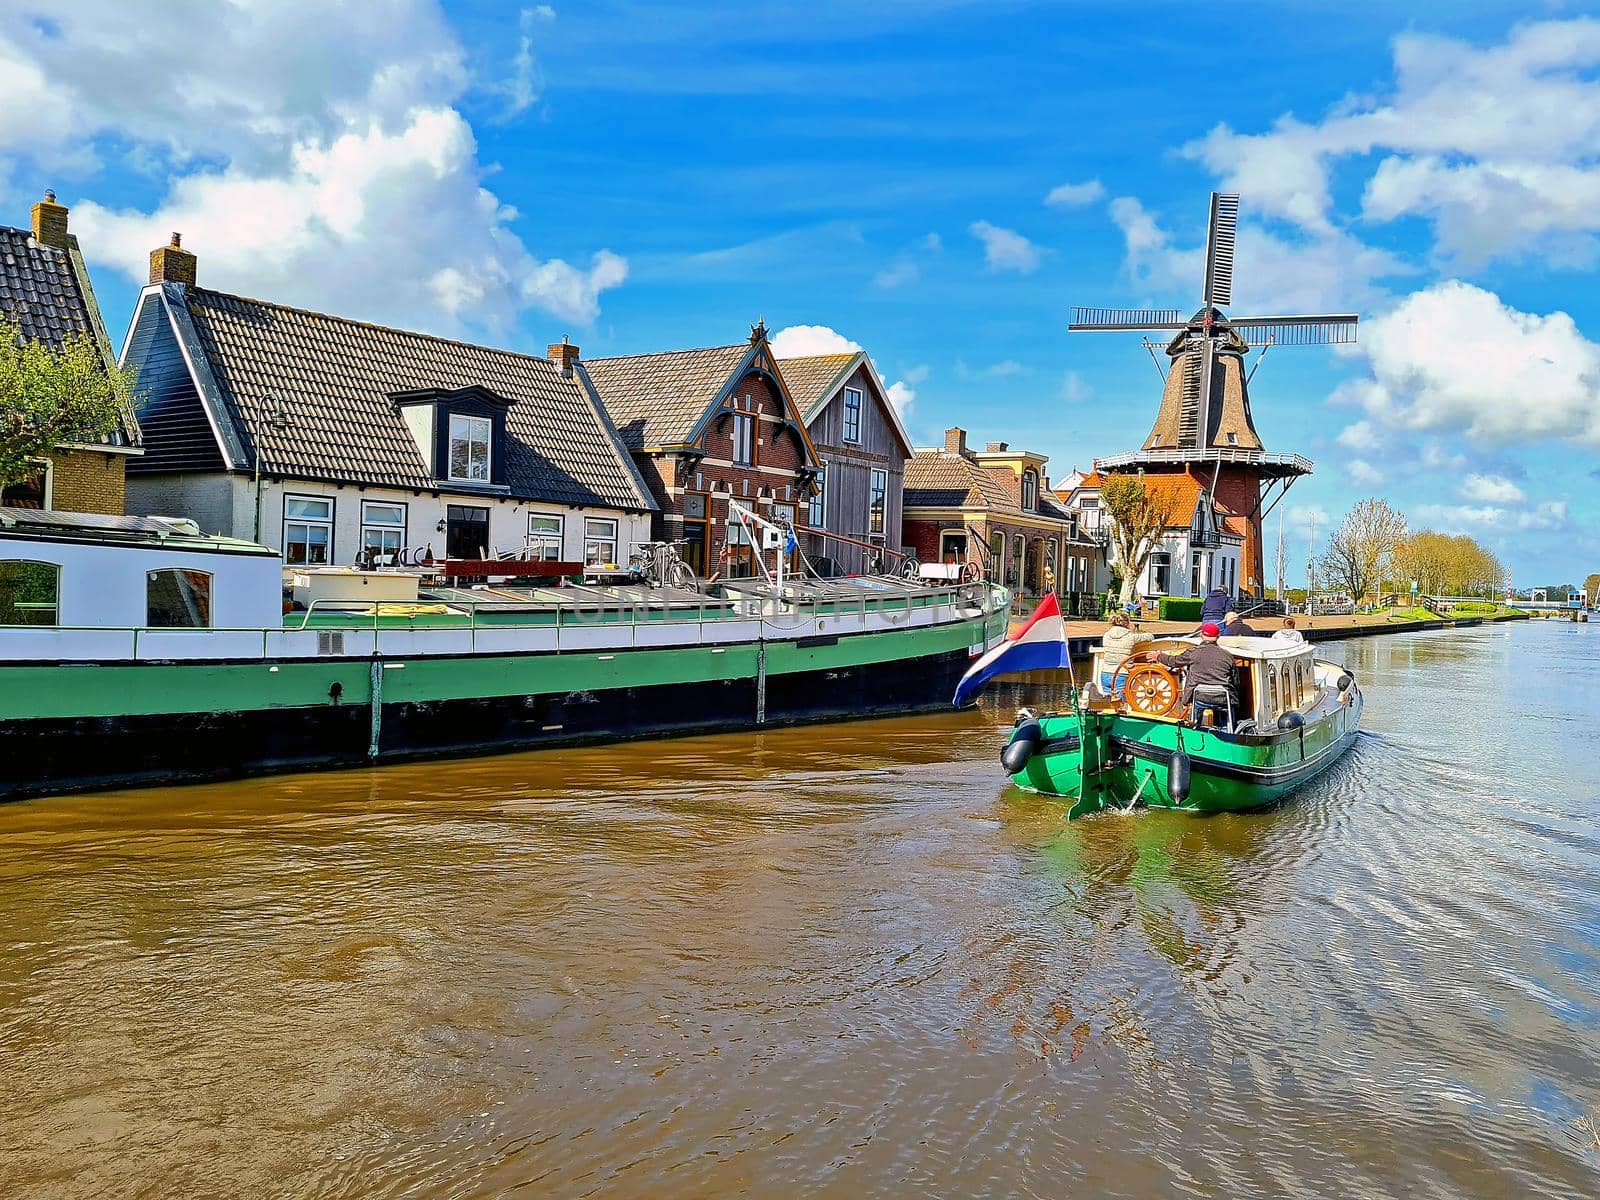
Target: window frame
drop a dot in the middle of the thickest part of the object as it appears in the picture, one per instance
(55, 605)
(614, 541)
(743, 423)
(850, 421)
(383, 527)
(877, 500)
(309, 523)
(544, 537)
(1030, 491)
(192, 574)
(474, 419)
(817, 505)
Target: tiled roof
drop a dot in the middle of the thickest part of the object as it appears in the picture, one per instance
(812, 379)
(945, 479)
(658, 399)
(38, 290)
(332, 378)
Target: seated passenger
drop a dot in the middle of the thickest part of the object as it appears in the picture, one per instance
(1288, 633)
(1209, 666)
(1119, 641)
(1233, 626)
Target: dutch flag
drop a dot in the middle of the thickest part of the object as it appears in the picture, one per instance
(1040, 645)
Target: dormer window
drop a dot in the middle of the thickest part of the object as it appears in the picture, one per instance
(852, 414)
(470, 438)
(1030, 491)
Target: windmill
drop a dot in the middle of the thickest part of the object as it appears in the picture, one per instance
(1204, 426)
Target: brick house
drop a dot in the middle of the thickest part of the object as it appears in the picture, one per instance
(706, 427)
(862, 448)
(44, 288)
(994, 509)
(325, 437)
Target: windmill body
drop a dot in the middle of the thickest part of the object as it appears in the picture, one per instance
(1204, 427)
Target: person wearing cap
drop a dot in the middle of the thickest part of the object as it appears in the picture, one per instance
(1207, 664)
(1233, 625)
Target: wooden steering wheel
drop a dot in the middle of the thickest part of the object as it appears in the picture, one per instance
(1151, 689)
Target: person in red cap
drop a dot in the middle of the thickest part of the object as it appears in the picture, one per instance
(1206, 665)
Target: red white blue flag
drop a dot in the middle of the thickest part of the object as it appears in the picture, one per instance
(1040, 645)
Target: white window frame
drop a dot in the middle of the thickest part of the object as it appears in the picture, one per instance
(744, 439)
(851, 415)
(471, 420)
(590, 539)
(540, 542)
(817, 507)
(308, 523)
(877, 500)
(381, 528)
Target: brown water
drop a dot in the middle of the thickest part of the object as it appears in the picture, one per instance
(838, 961)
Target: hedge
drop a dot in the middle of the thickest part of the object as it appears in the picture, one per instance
(1179, 608)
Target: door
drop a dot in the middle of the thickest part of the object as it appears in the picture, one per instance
(466, 533)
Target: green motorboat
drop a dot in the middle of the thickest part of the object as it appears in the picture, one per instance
(1294, 716)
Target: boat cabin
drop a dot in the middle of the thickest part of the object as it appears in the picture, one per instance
(83, 570)
(1271, 678)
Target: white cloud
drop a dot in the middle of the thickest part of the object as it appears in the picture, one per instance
(522, 89)
(1075, 195)
(1074, 389)
(804, 341)
(1360, 437)
(1551, 514)
(1005, 249)
(1456, 358)
(310, 154)
(1364, 474)
(917, 373)
(902, 395)
(1467, 518)
(1491, 489)
(900, 274)
(932, 243)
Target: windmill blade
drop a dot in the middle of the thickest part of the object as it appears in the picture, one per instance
(1220, 237)
(1093, 319)
(1328, 329)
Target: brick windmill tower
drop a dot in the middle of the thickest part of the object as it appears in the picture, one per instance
(1204, 428)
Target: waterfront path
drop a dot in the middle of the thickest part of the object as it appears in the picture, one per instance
(1085, 635)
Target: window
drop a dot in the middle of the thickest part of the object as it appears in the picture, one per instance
(852, 414)
(744, 439)
(1030, 491)
(817, 516)
(1272, 685)
(599, 541)
(1019, 555)
(383, 528)
(177, 599)
(32, 490)
(1160, 572)
(877, 501)
(545, 536)
(1299, 686)
(469, 448)
(29, 592)
(307, 530)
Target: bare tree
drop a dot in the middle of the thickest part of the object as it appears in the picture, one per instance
(1363, 549)
(1139, 513)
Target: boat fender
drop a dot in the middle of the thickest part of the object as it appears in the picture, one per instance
(1180, 773)
(336, 692)
(1024, 741)
(1346, 681)
(1291, 720)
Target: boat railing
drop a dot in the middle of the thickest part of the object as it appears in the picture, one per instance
(325, 629)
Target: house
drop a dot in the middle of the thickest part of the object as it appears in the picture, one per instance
(44, 288)
(706, 427)
(994, 509)
(862, 448)
(325, 437)
(1202, 545)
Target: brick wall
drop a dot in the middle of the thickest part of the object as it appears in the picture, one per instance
(1239, 491)
(923, 538)
(88, 481)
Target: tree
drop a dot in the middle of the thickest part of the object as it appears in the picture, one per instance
(1138, 514)
(1591, 590)
(54, 395)
(1363, 548)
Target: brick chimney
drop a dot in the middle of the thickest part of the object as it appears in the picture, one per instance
(997, 447)
(50, 222)
(564, 354)
(172, 263)
(955, 441)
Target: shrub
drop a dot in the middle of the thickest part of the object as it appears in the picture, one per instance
(1180, 608)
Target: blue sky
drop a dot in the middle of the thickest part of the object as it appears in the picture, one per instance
(938, 183)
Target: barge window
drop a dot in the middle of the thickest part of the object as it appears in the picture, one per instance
(877, 501)
(178, 599)
(383, 528)
(1272, 691)
(599, 540)
(1299, 686)
(545, 536)
(852, 414)
(307, 530)
(469, 448)
(29, 592)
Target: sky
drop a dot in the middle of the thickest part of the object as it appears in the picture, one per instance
(938, 183)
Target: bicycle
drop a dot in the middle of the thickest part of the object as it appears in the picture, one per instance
(660, 565)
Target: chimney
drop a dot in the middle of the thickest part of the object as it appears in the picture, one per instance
(955, 441)
(50, 222)
(172, 263)
(564, 354)
(997, 447)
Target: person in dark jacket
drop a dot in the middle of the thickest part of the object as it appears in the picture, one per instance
(1216, 605)
(1233, 626)
(1207, 663)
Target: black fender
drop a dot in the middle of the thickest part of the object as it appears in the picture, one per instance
(1025, 739)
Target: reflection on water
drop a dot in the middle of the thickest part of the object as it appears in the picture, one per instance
(838, 960)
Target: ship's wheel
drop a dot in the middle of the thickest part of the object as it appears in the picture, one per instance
(1151, 689)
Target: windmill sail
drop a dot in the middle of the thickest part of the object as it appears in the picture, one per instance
(1220, 237)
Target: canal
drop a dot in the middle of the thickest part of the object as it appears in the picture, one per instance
(835, 961)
